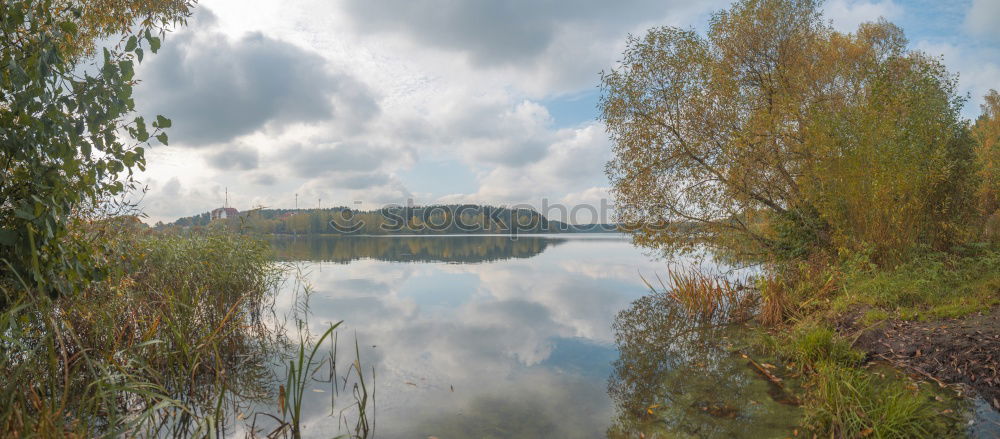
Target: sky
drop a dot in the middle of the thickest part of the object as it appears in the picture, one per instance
(366, 103)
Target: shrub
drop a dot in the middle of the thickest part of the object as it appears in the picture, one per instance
(68, 142)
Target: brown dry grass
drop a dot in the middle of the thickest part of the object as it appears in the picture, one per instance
(774, 302)
(706, 297)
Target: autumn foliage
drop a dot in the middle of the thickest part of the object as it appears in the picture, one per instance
(777, 136)
(987, 134)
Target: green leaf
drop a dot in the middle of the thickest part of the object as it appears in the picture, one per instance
(131, 44)
(154, 44)
(140, 129)
(126, 68)
(162, 137)
(162, 122)
(7, 237)
(24, 214)
(68, 27)
(138, 52)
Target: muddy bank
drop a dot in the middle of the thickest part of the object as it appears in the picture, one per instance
(964, 351)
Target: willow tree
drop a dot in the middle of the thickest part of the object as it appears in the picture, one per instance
(774, 136)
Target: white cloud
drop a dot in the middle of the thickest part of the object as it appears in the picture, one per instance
(401, 96)
(589, 206)
(978, 69)
(425, 107)
(575, 162)
(846, 15)
(545, 47)
(217, 89)
(482, 128)
(982, 18)
(166, 200)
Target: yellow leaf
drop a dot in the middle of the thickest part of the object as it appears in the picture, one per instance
(281, 398)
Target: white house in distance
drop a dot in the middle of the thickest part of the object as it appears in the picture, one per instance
(224, 212)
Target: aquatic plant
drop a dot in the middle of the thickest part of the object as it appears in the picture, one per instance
(706, 297)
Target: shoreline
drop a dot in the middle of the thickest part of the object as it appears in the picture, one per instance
(961, 352)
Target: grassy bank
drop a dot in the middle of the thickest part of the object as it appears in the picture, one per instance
(842, 165)
(845, 396)
(830, 319)
(879, 351)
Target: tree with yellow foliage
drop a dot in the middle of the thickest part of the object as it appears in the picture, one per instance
(99, 19)
(775, 136)
(987, 133)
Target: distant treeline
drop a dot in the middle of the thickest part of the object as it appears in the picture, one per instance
(406, 220)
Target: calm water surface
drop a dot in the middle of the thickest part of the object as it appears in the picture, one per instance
(484, 336)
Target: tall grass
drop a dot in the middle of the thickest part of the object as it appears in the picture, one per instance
(301, 371)
(146, 351)
(705, 297)
(845, 397)
(849, 402)
(774, 301)
(175, 342)
(841, 396)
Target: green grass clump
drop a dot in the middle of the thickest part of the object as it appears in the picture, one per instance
(874, 316)
(851, 402)
(808, 344)
(815, 344)
(932, 286)
(844, 397)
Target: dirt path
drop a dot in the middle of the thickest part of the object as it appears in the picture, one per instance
(962, 351)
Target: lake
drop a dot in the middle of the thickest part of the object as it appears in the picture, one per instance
(488, 336)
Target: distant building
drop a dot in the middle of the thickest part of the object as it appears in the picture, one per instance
(224, 212)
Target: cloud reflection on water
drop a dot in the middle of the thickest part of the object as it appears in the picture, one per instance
(512, 336)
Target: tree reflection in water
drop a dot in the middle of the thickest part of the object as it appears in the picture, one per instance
(677, 377)
(460, 249)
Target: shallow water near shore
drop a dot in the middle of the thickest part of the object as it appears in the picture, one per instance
(484, 336)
